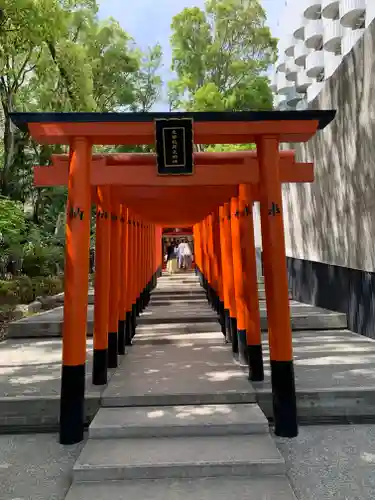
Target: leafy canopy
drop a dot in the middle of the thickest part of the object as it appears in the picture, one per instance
(220, 55)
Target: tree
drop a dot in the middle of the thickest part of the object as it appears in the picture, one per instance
(113, 63)
(220, 55)
(147, 82)
(55, 55)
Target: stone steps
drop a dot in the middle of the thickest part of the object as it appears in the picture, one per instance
(218, 488)
(178, 457)
(49, 324)
(178, 421)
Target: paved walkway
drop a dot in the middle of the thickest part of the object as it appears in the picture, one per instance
(43, 468)
(335, 369)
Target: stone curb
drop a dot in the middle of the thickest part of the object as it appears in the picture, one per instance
(341, 405)
(37, 413)
(315, 406)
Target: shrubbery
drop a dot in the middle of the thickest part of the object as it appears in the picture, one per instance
(23, 290)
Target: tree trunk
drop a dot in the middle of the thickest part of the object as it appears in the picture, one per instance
(8, 146)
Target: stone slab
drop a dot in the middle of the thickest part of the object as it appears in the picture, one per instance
(176, 294)
(177, 421)
(270, 488)
(171, 301)
(179, 328)
(30, 382)
(179, 374)
(196, 313)
(162, 338)
(178, 457)
(49, 323)
(335, 377)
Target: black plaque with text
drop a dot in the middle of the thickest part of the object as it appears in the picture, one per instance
(174, 146)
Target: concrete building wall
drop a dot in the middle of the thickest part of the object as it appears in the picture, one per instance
(333, 219)
(330, 224)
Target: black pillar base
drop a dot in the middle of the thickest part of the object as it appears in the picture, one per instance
(121, 337)
(146, 295)
(233, 334)
(222, 318)
(72, 404)
(128, 329)
(284, 399)
(138, 307)
(134, 319)
(112, 350)
(242, 348)
(227, 325)
(216, 302)
(256, 370)
(100, 367)
(201, 279)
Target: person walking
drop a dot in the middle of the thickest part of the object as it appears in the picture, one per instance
(171, 258)
(185, 255)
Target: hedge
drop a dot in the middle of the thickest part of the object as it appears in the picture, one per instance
(23, 290)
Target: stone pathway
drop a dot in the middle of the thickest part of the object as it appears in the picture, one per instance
(335, 369)
(323, 463)
(179, 419)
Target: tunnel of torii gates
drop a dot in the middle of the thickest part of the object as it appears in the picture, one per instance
(136, 195)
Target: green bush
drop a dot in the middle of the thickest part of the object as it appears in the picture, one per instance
(24, 290)
(9, 292)
(41, 260)
(45, 286)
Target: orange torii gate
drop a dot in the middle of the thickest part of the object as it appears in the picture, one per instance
(132, 189)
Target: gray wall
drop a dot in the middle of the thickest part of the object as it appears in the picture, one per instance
(333, 219)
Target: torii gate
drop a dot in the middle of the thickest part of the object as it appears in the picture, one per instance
(134, 188)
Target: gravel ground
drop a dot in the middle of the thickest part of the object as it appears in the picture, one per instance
(327, 462)
(324, 462)
(35, 467)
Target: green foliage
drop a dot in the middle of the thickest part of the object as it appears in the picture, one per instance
(147, 83)
(220, 55)
(42, 260)
(56, 55)
(24, 290)
(12, 224)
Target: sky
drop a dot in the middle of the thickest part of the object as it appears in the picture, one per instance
(148, 21)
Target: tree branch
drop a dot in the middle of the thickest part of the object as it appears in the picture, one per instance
(64, 75)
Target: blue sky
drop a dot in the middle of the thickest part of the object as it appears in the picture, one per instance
(148, 21)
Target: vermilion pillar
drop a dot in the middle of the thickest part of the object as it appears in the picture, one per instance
(147, 277)
(206, 261)
(138, 266)
(102, 272)
(276, 285)
(76, 293)
(121, 341)
(248, 253)
(228, 259)
(218, 268)
(136, 271)
(114, 292)
(198, 251)
(143, 265)
(134, 274)
(227, 276)
(239, 281)
(130, 323)
(211, 263)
